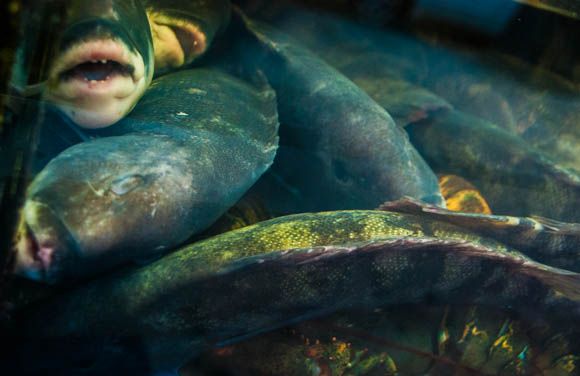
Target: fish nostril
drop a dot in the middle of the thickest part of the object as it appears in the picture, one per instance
(126, 184)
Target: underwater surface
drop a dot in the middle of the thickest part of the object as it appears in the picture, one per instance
(364, 187)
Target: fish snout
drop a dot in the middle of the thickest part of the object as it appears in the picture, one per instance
(44, 245)
(176, 40)
(99, 75)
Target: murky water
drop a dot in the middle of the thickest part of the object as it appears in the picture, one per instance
(308, 188)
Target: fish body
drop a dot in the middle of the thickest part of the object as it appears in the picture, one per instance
(539, 106)
(511, 135)
(515, 178)
(338, 147)
(193, 145)
(547, 241)
(291, 268)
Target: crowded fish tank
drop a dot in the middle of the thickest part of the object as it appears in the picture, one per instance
(253, 187)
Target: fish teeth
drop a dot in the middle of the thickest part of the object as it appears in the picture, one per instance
(103, 61)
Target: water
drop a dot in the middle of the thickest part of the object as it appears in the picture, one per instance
(153, 154)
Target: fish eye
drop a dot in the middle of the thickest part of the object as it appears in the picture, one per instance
(126, 184)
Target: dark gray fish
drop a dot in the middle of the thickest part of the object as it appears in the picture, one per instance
(191, 148)
(514, 178)
(539, 106)
(289, 269)
(406, 102)
(102, 60)
(338, 147)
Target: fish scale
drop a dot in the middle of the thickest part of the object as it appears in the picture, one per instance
(236, 284)
(191, 169)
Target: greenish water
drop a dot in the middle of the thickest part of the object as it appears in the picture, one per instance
(161, 136)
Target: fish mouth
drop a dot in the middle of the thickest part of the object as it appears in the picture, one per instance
(176, 41)
(33, 259)
(41, 248)
(97, 71)
(97, 82)
(191, 40)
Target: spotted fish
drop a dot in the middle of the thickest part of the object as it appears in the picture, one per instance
(289, 269)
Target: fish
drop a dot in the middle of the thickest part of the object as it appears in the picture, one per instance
(518, 178)
(287, 270)
(106, 52)
(539, 106)
(546, 240)
(101, 61)
(338, 147)
(183, 30)
(514, 177)
(405, 340)
(197, 140)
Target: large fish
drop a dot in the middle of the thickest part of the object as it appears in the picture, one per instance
(191, 148)
(515, 177)
(538, 105)
(106, 52)
(287, 269)
(338, 147)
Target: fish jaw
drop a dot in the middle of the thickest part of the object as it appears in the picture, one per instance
(176, 42)
(44, 244)
(97, 82)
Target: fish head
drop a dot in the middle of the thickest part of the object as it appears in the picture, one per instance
(102, 61)
(103, 203)
(183, 29)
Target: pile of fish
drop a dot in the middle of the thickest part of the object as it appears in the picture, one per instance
(340, 141)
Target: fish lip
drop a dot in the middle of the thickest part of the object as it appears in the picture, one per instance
(190, 35)
(190, 38)
(30, 245)
(97, 104)
(33, 242)
(98, 49)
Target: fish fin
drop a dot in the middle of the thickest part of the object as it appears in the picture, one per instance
(486, 224)
(553, 225)
(409, 205)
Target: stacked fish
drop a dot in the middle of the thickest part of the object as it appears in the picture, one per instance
(358, 127)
